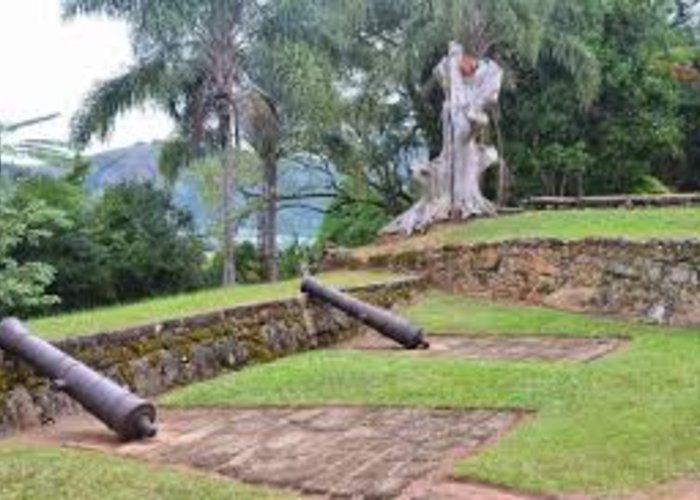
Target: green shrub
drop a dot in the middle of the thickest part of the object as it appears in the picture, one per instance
(82, 264)
(649, 184)
(151, 245)
(24, 279)
(353, 224)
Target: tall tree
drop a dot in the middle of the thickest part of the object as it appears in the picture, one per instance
(191, 60)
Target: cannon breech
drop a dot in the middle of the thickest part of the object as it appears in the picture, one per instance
(131, 417)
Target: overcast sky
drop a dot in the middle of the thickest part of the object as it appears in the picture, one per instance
(47, 65)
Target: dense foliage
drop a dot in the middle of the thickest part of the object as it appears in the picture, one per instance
(353, 224)
(62, 250)
(293, 261)
(633, 129)
(600, 97)
(82, 277)
(151, 246)
(24, 280)
(129, 244)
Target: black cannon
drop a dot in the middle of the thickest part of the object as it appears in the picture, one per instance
(381, 320)
(131, 417)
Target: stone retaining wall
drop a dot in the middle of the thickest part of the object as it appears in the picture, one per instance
(158, 357)
(654, 280)
(621, 201)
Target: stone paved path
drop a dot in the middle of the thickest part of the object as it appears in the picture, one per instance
(344, 452)
(545, 348)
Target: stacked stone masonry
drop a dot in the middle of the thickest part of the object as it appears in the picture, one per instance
(623, 201)
(155, 358)
(657, 281)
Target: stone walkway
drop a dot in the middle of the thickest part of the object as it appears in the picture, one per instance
(343, 452)
(530, 348)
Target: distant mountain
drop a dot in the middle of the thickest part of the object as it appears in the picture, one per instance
(139, 163)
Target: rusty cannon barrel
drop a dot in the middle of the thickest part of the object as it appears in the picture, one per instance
(381, 320)
(131, 417)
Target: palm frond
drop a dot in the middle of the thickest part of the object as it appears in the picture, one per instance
(175, 154)
(50, 153)
(142, 83)
(112, 8)
(571, 54)
(14, 127)
(260, 119)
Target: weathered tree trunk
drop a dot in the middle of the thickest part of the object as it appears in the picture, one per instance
(452, 182)
(269, 230)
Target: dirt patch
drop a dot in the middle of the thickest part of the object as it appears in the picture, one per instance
(534, 348)
(348, 452)
(684, 489)
(452, 490)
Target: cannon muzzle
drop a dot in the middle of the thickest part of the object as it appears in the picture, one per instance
(131, 417)
(381, 320)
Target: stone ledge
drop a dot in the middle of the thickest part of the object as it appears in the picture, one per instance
(655, 280)
(628, 201)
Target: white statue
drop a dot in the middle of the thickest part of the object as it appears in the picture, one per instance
(452, 181)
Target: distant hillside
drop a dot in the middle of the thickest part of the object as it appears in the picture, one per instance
(140, 163)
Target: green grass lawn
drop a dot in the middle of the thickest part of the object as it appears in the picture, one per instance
(639, 224)
(623, 423)
(33, 472)
(150, 311)
(677, 222)
(481, 316)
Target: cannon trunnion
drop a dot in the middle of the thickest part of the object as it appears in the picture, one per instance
(381, 320)
(131, 417)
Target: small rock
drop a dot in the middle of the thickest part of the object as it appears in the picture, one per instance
(658, 314)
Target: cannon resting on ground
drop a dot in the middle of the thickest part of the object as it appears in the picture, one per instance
(131, 417)
(381, 320)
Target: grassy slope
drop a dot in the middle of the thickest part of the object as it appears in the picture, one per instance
(575, 224)
(677, 222)
(112, 318)
(623, 423)
(32, 472)
(445, 313)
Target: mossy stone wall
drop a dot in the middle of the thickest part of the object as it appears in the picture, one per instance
(155, 358)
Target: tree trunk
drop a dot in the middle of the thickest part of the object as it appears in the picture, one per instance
(228, 164)
(269, 230)
(452, 182)
(229, 223)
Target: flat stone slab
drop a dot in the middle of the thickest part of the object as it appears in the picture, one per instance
(529, 348)
(346, 452)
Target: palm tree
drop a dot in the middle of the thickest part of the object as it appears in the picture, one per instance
(45, 151)
(191, 60)
(506, 30)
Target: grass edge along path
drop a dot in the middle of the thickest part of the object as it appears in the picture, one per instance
(151, 311)
(624, 423)
(33, 471)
